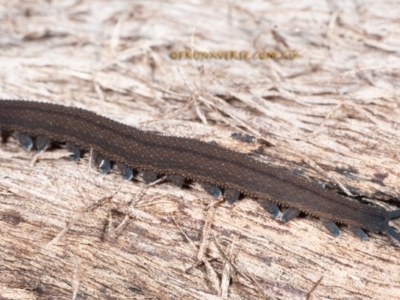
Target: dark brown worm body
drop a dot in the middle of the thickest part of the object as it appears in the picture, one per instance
(190, 158)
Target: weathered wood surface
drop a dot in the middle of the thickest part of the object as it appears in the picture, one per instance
(332, 113)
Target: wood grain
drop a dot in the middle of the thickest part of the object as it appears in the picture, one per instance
(67, 232)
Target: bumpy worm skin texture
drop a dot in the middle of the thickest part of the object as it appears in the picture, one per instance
(189, 158)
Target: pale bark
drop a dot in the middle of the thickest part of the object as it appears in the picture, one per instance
(331, 114)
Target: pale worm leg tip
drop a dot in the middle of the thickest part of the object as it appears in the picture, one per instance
(359, 232)
(25, 140)
(362, 235)
(74, 150)
(332, 228)
(213, 190)
(127, 173)
(270, 207)
(231, 195)
(178, 180)
(105, 166)
(290, 214)
(42, 143)
(149, 177)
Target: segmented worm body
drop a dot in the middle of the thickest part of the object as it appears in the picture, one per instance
(184, 158)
